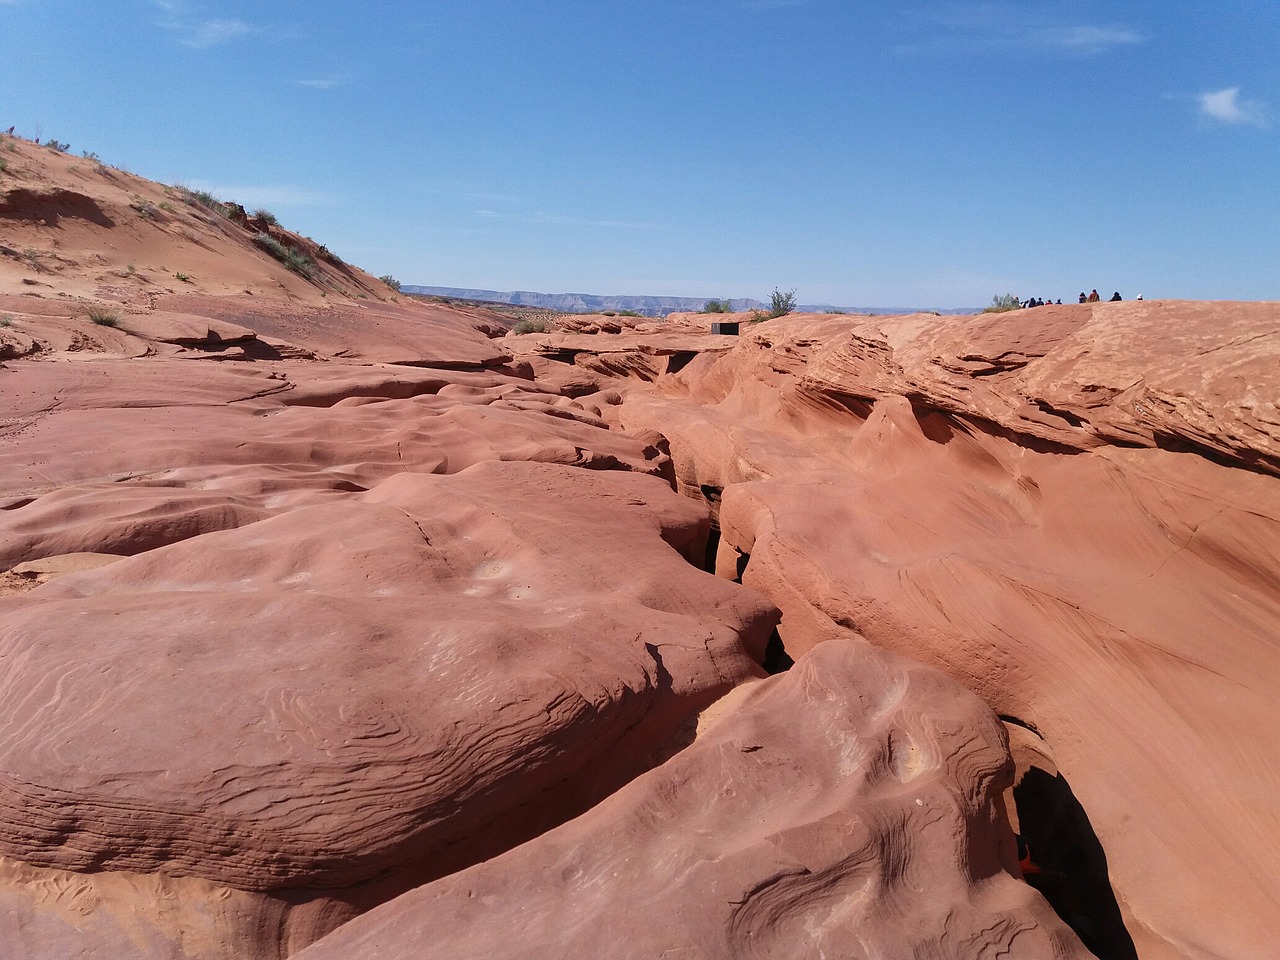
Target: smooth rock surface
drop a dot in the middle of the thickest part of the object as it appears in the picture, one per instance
(848, 809)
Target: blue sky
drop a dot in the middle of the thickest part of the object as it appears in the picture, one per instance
(892, 153)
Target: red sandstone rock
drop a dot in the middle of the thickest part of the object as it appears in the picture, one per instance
(406, 682)
(1119, 600)
(351, 632)
(850, 808)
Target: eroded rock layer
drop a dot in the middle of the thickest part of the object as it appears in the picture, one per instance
(1106, 576)
(849, 808)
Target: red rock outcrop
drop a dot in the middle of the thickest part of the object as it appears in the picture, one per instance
(1119, 599)
(849, 808)
(379, 595)
(406, 681)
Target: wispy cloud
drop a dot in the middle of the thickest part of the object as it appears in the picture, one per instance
(322, 83)
(183, 18)
(1006, 27)
(1226, 107)
(558, 219)
(488, 213)
(209, 33)
(1081, 39)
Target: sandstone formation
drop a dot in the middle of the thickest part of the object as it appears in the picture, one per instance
(849, 808)
(1119, 599)
(336, 621)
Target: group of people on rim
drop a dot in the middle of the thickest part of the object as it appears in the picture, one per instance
(1084, 298)
(1094, 298)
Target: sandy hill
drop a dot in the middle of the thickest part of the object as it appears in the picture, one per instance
(339, 625)
(77, 226)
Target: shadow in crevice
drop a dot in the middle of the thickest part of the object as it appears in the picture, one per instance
(1072, 864)
(713, 549)
(776, 658)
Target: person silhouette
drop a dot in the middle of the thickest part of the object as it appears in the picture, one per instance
(1116, 298)
(1093, 296)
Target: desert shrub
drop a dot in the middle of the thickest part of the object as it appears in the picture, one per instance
(5, 320)
(4, 164)
(184, 277)
(167, 207)
(293, 258)
(57, 145)
(266, 216)
(780, 304)
(718, 306)
(90, 155)
(103, 316)
(391, 282)
(1003, 302)
(144, 208)
(629, 313)
(203, 198)
(531, 326)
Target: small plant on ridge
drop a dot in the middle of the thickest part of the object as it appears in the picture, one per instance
(102, 316)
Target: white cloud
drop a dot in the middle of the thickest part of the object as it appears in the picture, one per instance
(1003, 26)
(1082, 39)
(322, 83)
(551, 218)
(488, 213)
(1225, 106)
(182, 18)
(212, 32)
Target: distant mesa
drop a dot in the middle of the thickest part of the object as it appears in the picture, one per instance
(650, 306)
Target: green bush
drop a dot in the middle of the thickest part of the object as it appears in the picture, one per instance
(5, 320)
(780, 304)
(391, 282)
(266, 216)
(56, 145)
(531, 326)
(718, 306)
(1003, 303)
(293, 258)
(629, 313)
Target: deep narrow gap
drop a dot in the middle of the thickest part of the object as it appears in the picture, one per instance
(1067, 862)
(776, 659)
(713, 548)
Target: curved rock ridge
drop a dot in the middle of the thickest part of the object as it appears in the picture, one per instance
(1121, 600)
(1144, 373)
(849, 808)
(380, 684)
(101, 472)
